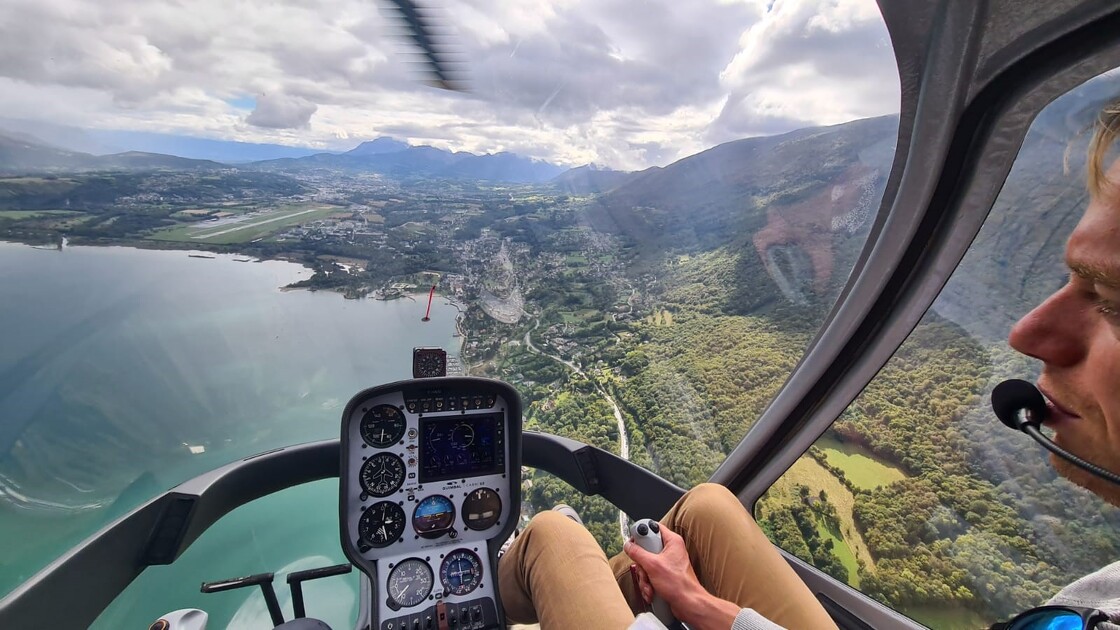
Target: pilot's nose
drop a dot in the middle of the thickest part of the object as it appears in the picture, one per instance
(1055, 332)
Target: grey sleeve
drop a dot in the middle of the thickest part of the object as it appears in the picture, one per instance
(1100, 590)
(748, 619)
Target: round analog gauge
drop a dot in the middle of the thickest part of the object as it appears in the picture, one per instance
(382, 474)
(410, 582)
(461, 572)
(429, 363)
(481, 509)
(382, 426)
(381, 524)
(433, 516)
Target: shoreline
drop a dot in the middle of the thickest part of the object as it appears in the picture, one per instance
(203, 254)
(461, 330)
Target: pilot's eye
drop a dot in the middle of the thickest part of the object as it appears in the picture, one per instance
(1110, 311)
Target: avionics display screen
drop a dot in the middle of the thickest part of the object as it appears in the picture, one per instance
(461, 446)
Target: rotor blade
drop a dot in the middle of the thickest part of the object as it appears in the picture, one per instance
(420, 25)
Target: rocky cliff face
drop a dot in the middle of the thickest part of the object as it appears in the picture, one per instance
(792, 210)
(715, 197)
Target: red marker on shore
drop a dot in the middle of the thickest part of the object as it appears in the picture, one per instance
(429, 311)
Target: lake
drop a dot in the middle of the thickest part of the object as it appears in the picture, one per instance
(125, 371)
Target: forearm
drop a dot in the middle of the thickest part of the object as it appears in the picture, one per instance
(703, 611)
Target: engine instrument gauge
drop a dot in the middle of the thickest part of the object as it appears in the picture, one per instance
(463, 434)
(382, 474)
(461, 572)
(409, 583)
(382, 426)
(481, 509)
(461, 446)
(433, 516)
(381, 524)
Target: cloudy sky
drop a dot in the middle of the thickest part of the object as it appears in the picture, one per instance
(625, 83)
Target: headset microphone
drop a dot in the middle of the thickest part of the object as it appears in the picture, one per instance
(1019, 405)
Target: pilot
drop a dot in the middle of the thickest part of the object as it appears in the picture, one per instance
(718, 570)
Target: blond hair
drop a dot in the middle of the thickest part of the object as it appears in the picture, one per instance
(1104, 136)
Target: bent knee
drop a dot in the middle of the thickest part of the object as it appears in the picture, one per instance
(708, 499)
(710, 493)
(551, 525)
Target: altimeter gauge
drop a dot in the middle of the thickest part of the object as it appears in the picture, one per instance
(409, 583)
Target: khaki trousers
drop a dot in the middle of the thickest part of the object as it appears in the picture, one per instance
(555, 573)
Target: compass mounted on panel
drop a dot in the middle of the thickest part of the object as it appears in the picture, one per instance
(429, 362)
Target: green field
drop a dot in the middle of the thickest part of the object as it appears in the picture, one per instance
(865, 472)
(27, 214)
(841, 550)
(260, 226)
(807, 472)
(582, 316)
(414, 229)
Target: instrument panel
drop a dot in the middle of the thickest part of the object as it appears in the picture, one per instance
(429, 490)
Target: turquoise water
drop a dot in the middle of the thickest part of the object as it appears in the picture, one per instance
(124, 372)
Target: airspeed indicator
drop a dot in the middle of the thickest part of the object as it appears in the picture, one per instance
(382, 426)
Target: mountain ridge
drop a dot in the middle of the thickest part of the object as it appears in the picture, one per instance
(590, 178)
(22, 153)
(391, 157)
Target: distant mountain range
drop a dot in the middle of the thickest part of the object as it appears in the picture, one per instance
(20, 153)
(24, 152)
(397, 159)
(109, 141)
(589, 178)
(791, 210)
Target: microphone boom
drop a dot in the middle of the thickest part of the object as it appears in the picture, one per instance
(1019, 405)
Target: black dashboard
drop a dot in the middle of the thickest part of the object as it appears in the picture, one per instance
(430, 488)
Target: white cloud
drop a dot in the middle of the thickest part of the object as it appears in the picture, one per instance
(618, 82)
(808, 62)
(281, 111)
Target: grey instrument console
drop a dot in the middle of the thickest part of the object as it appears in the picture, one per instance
(430, 488)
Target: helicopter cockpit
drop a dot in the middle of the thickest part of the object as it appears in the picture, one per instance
(814, 317)
(432, 558)
(430, 488)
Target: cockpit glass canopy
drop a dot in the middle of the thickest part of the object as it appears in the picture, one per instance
(219, 221)
(917, 495)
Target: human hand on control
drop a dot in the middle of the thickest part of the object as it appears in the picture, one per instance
(670, 575)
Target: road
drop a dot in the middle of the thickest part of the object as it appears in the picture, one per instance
(623, 438)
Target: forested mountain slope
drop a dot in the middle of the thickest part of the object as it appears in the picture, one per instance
(1016, 260)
